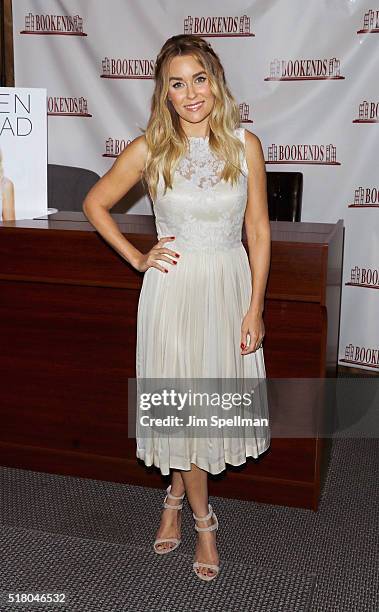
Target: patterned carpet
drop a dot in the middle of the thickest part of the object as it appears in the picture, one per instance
(93, 540)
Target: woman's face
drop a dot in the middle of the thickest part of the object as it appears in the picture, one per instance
(190, 93)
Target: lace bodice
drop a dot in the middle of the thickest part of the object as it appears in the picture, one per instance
(202, 210)
(200, 166)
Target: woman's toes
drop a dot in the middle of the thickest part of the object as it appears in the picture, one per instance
(206, 571)
(167, 530)
(164, 545)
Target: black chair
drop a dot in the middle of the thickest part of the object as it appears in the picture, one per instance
(284, 195)
(67, 186)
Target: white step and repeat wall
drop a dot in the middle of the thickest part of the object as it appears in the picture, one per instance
(305, 75)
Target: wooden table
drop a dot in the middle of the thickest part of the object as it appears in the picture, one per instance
(68, 328)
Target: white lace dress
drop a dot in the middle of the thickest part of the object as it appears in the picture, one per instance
(189, 319)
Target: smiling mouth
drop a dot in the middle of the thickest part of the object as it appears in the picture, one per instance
(194, 107)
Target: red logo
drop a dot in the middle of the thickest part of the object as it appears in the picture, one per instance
(114, 146)
(366, 198)
(62, 25)
(362, 356)
(368, 112)
(305, 70)
(127, 68)
(245, 113)
(67, 107)
(370, 23)
(303, 154)
(210, 27)
(364, 277)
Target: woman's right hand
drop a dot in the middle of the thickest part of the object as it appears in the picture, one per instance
(157, 253)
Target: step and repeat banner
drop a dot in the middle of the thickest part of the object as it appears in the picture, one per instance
(305, 76)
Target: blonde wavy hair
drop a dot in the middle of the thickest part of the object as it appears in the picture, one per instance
(166, 139)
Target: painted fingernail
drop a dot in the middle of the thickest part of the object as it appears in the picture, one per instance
(177, 254)
(165, 270)
(174, 262)
(242, 345)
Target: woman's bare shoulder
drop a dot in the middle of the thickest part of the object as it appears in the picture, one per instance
(252, 139)
(138, 146)
(134, 155)
(254, 150)
(140, 141)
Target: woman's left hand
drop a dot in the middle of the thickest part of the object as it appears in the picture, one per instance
(253, 325)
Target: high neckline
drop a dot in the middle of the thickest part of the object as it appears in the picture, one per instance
(198, 137)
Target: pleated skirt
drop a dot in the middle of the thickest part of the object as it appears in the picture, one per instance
(189, 331)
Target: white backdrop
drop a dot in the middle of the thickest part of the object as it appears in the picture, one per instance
(304, 74)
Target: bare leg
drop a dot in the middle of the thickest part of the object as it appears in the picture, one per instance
(196, 486)
(169, 519)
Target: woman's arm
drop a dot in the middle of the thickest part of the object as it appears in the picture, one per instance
(109, 189)
(257, 223)
(258, 233)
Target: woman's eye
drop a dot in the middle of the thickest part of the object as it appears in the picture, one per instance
(202, 79)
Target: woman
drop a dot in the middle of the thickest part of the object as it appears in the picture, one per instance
(197, 314)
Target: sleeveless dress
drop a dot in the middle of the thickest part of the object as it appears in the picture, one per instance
(189, 319)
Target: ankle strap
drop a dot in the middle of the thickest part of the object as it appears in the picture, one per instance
(204, 518)
(174, 496)
(171, 506)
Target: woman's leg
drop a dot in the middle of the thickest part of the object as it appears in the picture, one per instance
(169, 518)
(196, 486)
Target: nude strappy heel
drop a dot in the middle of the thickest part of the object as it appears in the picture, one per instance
(198, 564)
(176, 541)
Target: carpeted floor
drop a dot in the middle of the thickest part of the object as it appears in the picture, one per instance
(93, 541)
